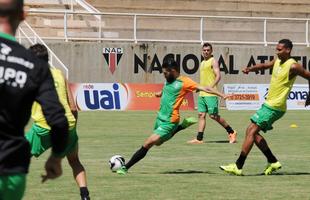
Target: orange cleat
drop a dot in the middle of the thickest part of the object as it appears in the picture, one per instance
(195, 141)
(232, 137)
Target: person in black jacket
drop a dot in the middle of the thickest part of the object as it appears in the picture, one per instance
(23, 80)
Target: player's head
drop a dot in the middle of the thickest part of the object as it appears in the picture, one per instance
(171, 69)
(11, 14)
(39, 51)
(207, 50)
(284, 48)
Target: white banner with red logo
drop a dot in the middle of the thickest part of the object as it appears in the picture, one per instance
(252, 96)
(119, 96)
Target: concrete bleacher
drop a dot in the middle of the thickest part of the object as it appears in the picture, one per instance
(51, 25)
(270, 8)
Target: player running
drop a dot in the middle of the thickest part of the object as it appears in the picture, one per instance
(284, 73)
(167, 121)
(207, 102)
(39, 135)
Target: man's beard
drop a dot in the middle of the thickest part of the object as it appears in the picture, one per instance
(170, 79)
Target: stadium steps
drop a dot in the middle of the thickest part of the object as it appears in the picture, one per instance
(274, 8)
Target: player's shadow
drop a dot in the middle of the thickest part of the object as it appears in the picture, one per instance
(182, 171)
(283, 174)
(217, 141)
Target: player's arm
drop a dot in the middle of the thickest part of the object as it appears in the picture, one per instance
(298, 70)
(71, 102)
(258, 67)
(210, 90)
(216, 69)
(159, 94)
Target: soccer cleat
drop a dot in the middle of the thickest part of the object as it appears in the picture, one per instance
(232, 169)
(122, 171)
(272, 167)
(232, 137)
(187, 122)
(195, 141)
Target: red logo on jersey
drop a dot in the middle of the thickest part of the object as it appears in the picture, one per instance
(112, 56)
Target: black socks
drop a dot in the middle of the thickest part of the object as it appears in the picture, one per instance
(136, 157)
(240, 161)
(84, 193)
(199, 136)
(229, 129)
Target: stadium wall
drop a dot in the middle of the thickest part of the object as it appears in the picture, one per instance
(141, 63)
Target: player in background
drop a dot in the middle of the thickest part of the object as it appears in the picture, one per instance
(39, 135)
(284, 73)
(23, 80)
(167, 121)
(207, 102)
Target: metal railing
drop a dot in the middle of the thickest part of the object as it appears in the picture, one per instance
(263, 34)
(25, 31)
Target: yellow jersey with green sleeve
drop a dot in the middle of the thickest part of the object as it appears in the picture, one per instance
(280, 84)
(61, 89)
(207, 75)
(172, 97)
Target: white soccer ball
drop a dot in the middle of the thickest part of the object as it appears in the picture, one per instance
(116, 162)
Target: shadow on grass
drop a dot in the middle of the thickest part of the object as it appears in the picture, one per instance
(218, 141)
(181, 171)
(282, 174)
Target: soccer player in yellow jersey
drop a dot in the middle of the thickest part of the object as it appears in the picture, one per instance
(39, 135)
(284, 72)
(208, 103)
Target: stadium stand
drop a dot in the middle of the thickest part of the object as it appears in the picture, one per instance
(51, 25)
(254, 8)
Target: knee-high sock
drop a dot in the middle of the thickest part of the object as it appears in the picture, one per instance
(137, 157)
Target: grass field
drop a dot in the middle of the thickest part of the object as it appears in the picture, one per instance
(176, 170)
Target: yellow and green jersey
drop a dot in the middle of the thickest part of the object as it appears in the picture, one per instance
(207, 75)
(280, 84)
(61, 89)
(172, 97)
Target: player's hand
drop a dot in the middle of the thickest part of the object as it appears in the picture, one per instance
(307, 103)
(246, 70)
(158, 94)
(52, 168)
(227, 96)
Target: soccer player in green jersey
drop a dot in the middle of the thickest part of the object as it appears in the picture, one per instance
(284, 73)
(167, 121)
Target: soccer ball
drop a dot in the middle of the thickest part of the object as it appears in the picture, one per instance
(116, 162)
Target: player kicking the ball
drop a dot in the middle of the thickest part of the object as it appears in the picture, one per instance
(167, 121)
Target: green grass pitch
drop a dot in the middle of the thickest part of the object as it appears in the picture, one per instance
(176, 170)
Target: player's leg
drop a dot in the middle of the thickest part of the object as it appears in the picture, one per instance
(202, 110)
(79, 173)
(163, 131)
(140, 153)
(12, 187)
(236, 168)
(213, 111)
(273, 163)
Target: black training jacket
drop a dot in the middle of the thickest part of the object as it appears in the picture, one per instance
(24, 79)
